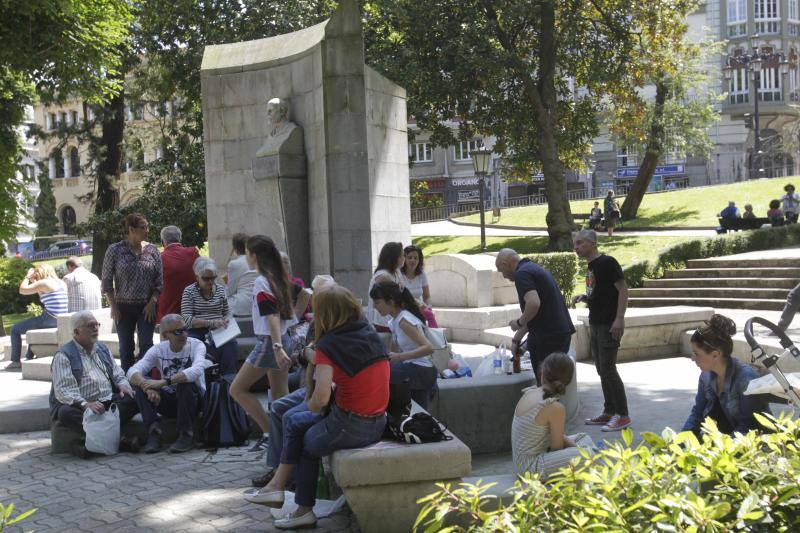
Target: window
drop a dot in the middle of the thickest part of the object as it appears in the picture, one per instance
(63, 120)
(769, 89)
(627, 157)
(136, 112)
(421, 152)
(53, 121)
(737, 18)
(74, 118)
(56, 164)
(738, 92)
(767, 17)
(461, 152)
(74, 163)
(674, 157)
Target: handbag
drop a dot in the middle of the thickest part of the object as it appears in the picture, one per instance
(442, 352)
(102, 431)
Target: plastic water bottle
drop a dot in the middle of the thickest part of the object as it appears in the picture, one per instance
(497, 362)
(506, 360)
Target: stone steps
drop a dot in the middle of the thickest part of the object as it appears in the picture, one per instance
(721, 262)
(710, 292)
(720, 303)
(743, 272)
(749, 282)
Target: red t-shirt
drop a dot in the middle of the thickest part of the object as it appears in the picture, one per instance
(366, 393)
(176, 261)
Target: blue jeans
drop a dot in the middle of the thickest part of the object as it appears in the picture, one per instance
(337, 431)
(42, 321)
(225, 356)
(182, 404)
(278, 410)
(131, 319)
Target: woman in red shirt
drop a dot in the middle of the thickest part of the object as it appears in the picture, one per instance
(350, 354)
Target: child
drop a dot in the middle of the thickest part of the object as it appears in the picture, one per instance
(748, 211)
(774, 213)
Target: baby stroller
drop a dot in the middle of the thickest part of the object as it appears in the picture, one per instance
(770, 361)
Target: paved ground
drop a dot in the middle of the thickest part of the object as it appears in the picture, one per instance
(445, 228)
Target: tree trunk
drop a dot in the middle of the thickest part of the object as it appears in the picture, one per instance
(559, 216)
(654, 151)
(108, 172)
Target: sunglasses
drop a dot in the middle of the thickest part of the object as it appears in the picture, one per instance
(178, 332)
(208, 278)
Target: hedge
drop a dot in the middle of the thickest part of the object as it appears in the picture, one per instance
(11, 273)
(563, 266)
(676, 256)
(668, 482)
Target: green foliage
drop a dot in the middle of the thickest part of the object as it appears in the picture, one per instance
(563, 266)
(11, 273)
(420, 196)
(34, 309)
(668, 482)
(45, 212)
(7, 520)
(676, 256)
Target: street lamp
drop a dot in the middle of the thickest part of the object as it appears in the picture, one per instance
(480, 162)
(754, 62)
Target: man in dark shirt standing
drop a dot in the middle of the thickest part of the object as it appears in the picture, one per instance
(607, 298)
(544, 312)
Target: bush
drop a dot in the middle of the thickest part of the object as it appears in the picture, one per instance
(676, 256)
(563, 266)
(669, 482)
(11, 273)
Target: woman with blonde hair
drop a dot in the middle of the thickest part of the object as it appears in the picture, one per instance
(349, 353)
(44, 281)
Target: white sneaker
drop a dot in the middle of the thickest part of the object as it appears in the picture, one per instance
(296, 522)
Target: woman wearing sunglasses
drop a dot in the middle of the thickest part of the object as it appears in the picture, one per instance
(204, 307)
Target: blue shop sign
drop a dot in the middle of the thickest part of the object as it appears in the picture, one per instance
(663, 170)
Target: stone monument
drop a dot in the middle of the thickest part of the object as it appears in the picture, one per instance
(305, 143)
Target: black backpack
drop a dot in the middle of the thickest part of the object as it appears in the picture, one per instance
(420, 428)
(225, 423)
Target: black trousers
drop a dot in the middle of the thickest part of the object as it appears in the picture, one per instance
(183, 404)
(540, 348)
(73, 416)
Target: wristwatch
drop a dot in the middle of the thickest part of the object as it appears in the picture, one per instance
(84, 403)
(276, 345)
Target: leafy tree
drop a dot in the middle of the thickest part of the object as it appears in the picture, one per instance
(531, 73)
(45, 211)
(60, 47)
(421, 197)
(679, 116)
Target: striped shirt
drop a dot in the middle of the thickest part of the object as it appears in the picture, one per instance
(55, 302)
(83, 290)
(94, 385)
(132, 278)
(195, 305)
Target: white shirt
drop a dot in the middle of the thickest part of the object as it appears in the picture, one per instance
(403, 342)
(262, 292)
(415, 285)
(240, 286)
(189, 361)
(790, 202)
(370, 313)
(83, 290)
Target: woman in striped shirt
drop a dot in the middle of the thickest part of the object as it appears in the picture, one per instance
(43, 281)
(204, 307)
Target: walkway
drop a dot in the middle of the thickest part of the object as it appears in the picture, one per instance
(445, 228)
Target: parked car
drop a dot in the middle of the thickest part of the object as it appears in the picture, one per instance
(64, 249)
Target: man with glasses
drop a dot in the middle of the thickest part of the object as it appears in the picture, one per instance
(179, 385)
(177, 261)
(86, 377)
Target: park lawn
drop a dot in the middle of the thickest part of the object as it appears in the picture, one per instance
(15, 318)
(626, 249)
(697, 206)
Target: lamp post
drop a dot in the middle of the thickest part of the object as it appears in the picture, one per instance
(480, 162)
(754, 62)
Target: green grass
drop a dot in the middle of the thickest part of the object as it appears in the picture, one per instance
(10, 320)
(626, 249)
(687, 207)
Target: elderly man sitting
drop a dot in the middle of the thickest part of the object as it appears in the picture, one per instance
(85, 376)
(178, 362)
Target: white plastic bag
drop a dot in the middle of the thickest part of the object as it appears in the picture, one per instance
(102, 431)
(767, 384)
(486, 368)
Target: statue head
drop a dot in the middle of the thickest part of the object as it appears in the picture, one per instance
(277, 112)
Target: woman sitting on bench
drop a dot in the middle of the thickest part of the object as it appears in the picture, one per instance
(350, 354)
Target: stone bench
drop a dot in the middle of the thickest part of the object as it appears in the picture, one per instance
(383, 482)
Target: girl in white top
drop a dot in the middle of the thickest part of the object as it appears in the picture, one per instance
(413, 278)
(272, 315)
(538, 442)
(410, 349)
(390, 261)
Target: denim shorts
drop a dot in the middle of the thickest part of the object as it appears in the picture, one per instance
(263, 356)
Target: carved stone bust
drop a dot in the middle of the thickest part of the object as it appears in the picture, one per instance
(282, 155)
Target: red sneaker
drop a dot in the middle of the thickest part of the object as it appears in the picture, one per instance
(601, 420)
(617, 423)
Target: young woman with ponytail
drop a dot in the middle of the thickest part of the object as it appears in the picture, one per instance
(410, 348)
(538, 442)
(272, 315)
(723, 380)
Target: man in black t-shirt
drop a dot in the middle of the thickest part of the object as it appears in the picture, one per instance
(544, 312)
(607, 298)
